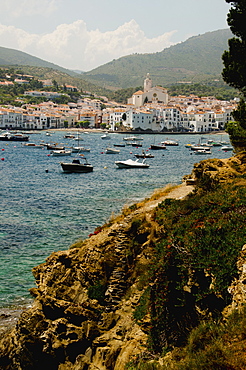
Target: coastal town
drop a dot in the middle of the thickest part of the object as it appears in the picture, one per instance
(150, 110)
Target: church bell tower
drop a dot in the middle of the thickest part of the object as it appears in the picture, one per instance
(147, 83)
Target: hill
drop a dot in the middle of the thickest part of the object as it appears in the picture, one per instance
(15, 58)
(196, 63)
(196, 60)
(42, 69)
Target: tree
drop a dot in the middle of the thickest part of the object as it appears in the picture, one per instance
(55, 85)
(234, 72)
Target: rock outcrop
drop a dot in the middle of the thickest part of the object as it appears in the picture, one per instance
(82, 314)
(238, 287)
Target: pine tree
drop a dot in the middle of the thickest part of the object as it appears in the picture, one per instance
(234, 72)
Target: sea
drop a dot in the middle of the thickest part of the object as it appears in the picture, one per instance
(44, 210)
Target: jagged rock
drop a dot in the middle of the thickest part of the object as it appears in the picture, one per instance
(72, 326)
(238, 288)
(218, 169)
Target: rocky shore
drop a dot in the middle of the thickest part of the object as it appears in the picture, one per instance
(82, 317)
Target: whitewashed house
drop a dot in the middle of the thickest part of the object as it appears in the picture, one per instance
(144, 120)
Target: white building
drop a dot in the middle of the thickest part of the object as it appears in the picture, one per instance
(170, 118)
(43, 94)
(143, 120)
(10, 119)
(116, 117)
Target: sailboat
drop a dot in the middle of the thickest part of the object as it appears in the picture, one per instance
(78, 148)
(157, 146)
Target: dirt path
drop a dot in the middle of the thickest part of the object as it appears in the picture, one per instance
(178, 192)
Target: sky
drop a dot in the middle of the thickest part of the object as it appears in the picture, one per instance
(82, 35)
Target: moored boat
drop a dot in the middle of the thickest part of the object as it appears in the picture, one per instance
(200, 147)
(33, 145)
(157, 147)
(59, 153)
(133, 138)
(112, 151)
(170, 142)
(69, 136)
(77, 166)
(7, 136)
(130, 163)
(136, 144)
(54, 147)
(202, 152)
(226, 148)
(105, 137)
(120, 145)
(80, 149)
(144, 155)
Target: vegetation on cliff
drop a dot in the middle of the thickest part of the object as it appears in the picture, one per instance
(194, 263)
(149, 289)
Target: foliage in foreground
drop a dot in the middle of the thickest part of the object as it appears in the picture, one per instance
(211, 345)
(195, 262)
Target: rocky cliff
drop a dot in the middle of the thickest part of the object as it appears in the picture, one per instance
(84, 310)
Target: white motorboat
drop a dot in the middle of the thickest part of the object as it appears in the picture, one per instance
(130, 163)
(226, 148)
(202, 151)
(136, 144)
(112, 151)
(200, 147)
(77, 166)
(105, 137)
(58, 153)
(170, 142)
(80, 149)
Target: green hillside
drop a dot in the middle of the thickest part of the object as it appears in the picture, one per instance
(15, 58)
(196, 60)
(45, 73)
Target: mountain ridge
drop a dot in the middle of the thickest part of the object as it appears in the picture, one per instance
(20, 58)
(195, 60)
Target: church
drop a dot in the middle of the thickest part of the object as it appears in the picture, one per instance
(150, 94)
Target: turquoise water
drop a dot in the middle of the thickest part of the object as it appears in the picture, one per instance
(45, 210)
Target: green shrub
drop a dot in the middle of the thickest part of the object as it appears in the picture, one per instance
(201, 239)
(97, 292)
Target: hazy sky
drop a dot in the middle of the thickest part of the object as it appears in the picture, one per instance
(79, 34)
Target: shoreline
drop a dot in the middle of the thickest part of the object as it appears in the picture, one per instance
(9, 315)
(99, 130)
